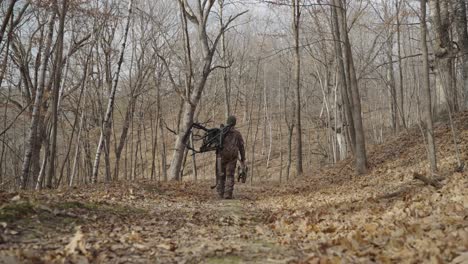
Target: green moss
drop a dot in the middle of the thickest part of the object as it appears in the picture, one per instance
(230, 259)
(24, 212)
(153, 188)
(70, 205)
(15, 211)
(100, 208)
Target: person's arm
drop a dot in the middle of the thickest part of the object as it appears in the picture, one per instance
(241, 147)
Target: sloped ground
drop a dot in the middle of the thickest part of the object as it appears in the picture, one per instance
(329, 217)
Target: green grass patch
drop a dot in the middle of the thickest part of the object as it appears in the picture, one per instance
(229, 259)
(24, 211)
(103, 208)
(14, 211)
(153, 188)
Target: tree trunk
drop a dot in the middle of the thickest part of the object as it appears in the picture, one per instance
(181, 141)
(193, 90)
(426, 93)
(360, 155)
(36, 114)
(401, 106)
(461, 26)
(110, 107)
(6, 18)
(392, 87)
(224, 56)
(443, 51)
(297, 63)
(123, 135)
(163, 151)
(56, 92)
(348, 126)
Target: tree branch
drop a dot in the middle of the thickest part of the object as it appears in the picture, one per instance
(171, 78)
(188, 11)
(224, 29)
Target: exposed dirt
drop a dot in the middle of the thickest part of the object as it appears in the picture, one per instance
(331, 216)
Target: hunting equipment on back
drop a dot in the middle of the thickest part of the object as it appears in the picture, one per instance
(212, 138)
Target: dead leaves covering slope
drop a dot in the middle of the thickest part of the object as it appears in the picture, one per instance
(329, 217)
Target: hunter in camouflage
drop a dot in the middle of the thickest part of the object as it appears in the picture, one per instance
(226, 159)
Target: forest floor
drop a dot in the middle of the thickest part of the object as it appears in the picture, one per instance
(330, 216)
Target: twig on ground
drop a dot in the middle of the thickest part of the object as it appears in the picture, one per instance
(429, 181)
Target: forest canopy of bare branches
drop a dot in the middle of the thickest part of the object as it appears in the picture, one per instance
(107, 90)
(349, 119)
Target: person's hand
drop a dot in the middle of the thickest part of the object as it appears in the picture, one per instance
(243, 164)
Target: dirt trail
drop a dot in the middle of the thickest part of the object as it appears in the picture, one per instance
(148, 223)
(144, 223)
(331, 216)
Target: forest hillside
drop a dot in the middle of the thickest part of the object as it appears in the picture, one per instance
(392, 214)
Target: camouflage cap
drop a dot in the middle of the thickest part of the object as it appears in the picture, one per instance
(231, 121)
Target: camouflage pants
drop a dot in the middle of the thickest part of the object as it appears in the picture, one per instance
(225, 184)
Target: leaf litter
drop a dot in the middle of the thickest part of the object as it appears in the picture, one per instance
(332, 216)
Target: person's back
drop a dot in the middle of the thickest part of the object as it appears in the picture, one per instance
(226, 159)
(232, 145)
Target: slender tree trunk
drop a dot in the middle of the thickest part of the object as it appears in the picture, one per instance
(224, 56)
(123, 135)
(154, 137)
(194, 161)
(110, 107)
(282, 109)
(56, 91)
(77, 149)
(426, 93)
(348, 126)
(290, 136)
(163, 151)
(401, 107)
(392, 87)
(297, 63)
(42, 171)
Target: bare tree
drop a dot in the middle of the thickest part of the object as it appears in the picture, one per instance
(56, 87)
(225, 60)
(461, 26)
(444, 54)
(105, 131)
(194, 84)
(296, 11)
(351, 80)
(426, 93)
(6, 18)
(36, 113)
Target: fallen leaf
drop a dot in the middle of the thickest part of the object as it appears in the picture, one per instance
(76, 243)
(462, 259)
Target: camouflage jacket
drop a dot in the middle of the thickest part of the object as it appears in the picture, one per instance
(232, 145)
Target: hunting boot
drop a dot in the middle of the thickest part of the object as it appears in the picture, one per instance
(228, 196)
(229, 188)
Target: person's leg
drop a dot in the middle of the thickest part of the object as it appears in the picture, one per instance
(230, 170)
(221, 179)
